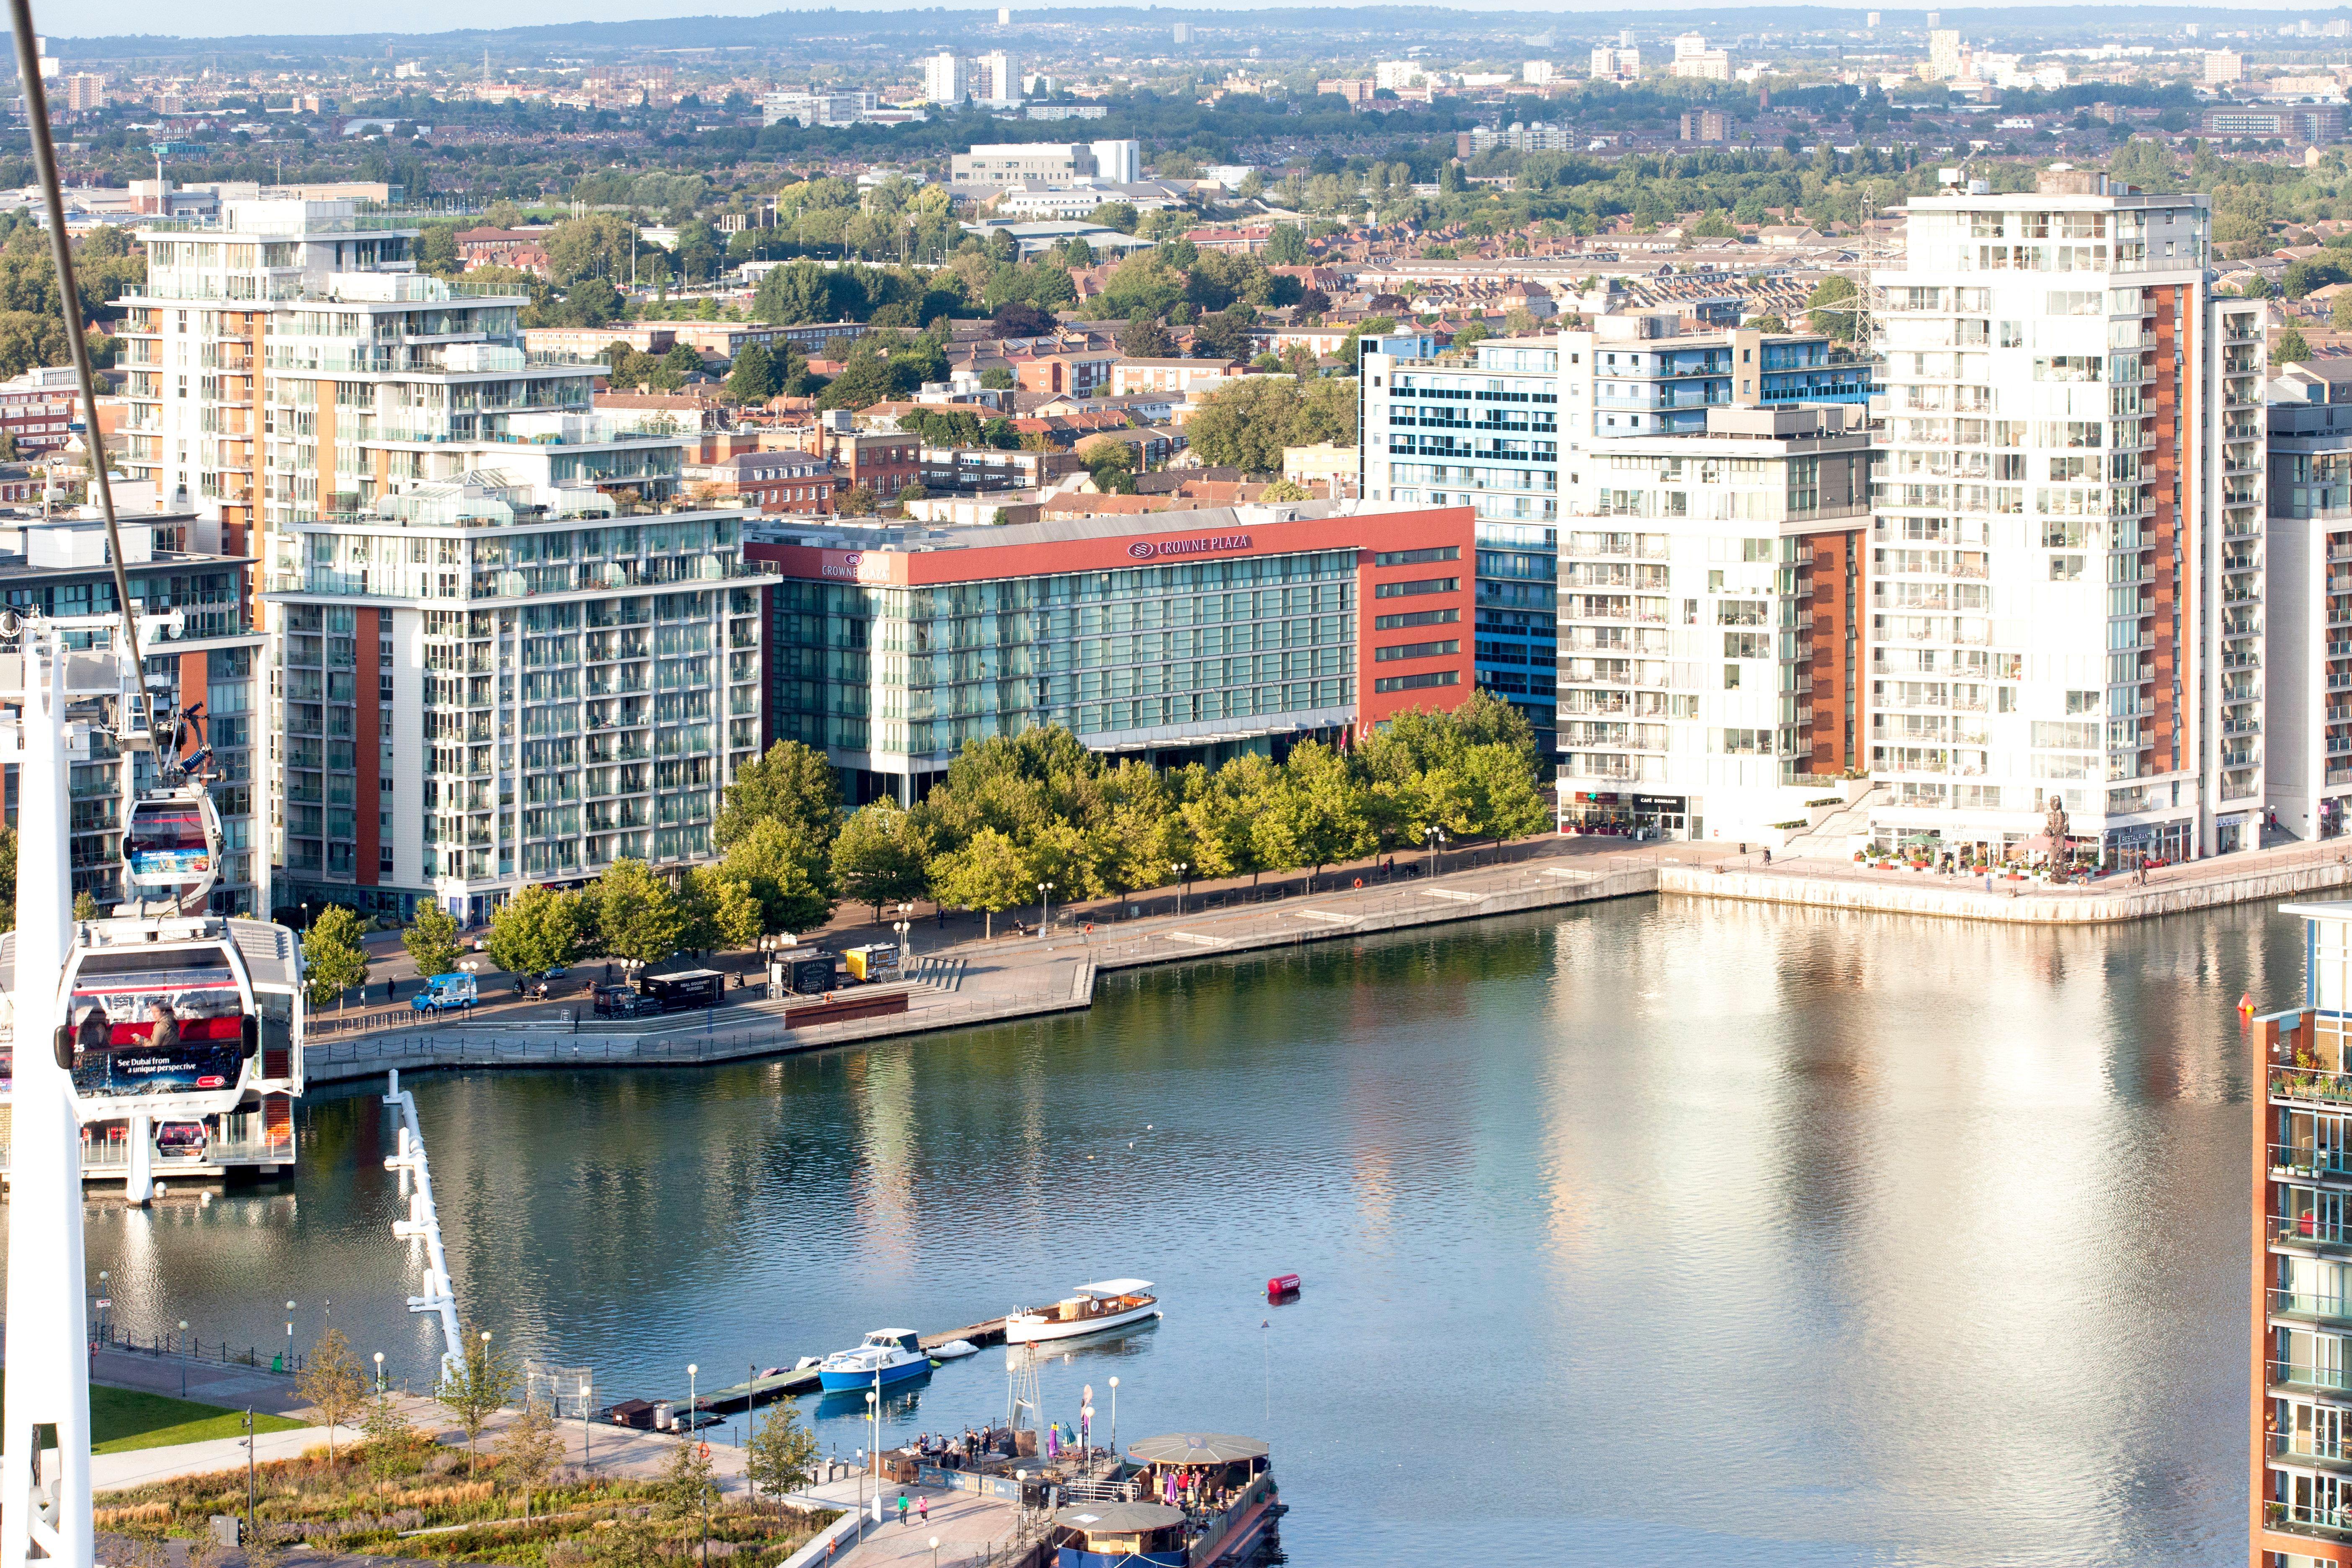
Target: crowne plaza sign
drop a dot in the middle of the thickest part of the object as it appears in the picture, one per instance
(1159, 549)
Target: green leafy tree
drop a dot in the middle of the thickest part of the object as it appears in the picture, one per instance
(638, 918)
(753, 378)
(1287, 246)
(332, 956)
(721, 915)
(1111, 462)
(989, 873)
(1144, 338)
(388, 1439)
(86, 906)
(1831, 307)
(1221, 819)
(785, 873)
(793, 784)
(7, 880)
(333, 1384)
(431, 940)
(531, 1448)
(685, 1489)
(537, 930)
(1317, 815)
(475, 1387)
(2290, 348)
(782, 1456)
(2339, 313)
(881, 857)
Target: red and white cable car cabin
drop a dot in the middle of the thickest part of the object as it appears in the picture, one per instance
(183, 1034)
(1180, 636)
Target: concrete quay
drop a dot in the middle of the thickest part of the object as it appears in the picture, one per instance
(978, 983)
(2265, 876)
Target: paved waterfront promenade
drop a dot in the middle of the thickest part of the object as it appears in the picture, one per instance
(976, 981)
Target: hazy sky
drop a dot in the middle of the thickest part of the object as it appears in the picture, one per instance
(215, 18)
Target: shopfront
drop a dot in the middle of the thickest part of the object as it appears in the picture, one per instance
(2140, 844)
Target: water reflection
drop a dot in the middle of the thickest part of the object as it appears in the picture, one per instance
(1910, 1241)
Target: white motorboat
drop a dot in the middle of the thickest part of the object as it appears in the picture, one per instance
(1089, 1309)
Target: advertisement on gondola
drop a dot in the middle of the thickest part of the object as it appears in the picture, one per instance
(166, 842)
(156, 1032)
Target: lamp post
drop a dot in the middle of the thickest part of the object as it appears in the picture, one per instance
(105, 1304)
(874, 1441)
(1044, 907)
(379, 1375)
(690, 1371)
(1114, 1427)
(290, 1336)
(902, 927)
(1180, 868)
(1436, 838)
(183, 1358)
(252, 1490)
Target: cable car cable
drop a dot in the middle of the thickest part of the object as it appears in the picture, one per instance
(44, 163)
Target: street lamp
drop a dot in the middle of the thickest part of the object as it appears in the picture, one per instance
(690, 1371)
(874, 1441)
(1180, 868)
(902, 927)
(105, 1303)
(290, 1336)
(1435, 838)
(379, 1375)
(183, 1358)
(1114, 1427)
(1044, 907)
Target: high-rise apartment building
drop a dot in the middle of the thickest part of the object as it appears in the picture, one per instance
(408, 474)
(947, 78)
(80, 92)
(2299, 1491)
(2067, 578)
(1708, 626)
(489, 682)
(1944, 56)
(995, 78)
(1505, 431)
(2307, 707)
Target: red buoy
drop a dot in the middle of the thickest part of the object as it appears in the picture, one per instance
(1283, 1285)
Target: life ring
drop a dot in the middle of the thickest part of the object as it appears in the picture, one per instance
(702, 1451)
(1359, 883)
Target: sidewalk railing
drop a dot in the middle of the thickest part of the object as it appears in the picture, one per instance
(112, 1336)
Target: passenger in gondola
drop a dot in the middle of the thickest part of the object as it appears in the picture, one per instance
(166, 1035)
(96, 1031)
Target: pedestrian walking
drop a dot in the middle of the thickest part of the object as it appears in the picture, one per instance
(902, 1511)
(922, 1511)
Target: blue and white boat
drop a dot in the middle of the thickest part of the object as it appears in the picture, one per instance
(888, 1356)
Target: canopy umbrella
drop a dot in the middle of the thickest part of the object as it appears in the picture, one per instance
(1197, 1448)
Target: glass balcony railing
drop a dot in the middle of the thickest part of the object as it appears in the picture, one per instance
(2294, 1159)
(2305, 1304)
(2312, 1084)
(2297, 1377)
(2307, 1448)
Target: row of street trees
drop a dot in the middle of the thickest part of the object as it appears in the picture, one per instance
(1012, 812)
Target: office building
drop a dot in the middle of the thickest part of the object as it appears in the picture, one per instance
(992, 165)
(2299, 123)
(2307, 712)
(1184, 31)
(58, 566)
(2067, 576)
(832, 107)
(1695, 60)
(947, 78)
(488, 684)
(1504, 433)
(2299, 1485)
(1175, 636)
(1535, 73)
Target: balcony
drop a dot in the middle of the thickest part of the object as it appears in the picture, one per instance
(2306, 1308)
(2309, 1448)
(2288, 1377)
(2332, 1523)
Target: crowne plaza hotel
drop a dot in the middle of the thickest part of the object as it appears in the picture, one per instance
(1175, 636)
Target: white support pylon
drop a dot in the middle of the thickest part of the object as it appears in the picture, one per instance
(45, 1519)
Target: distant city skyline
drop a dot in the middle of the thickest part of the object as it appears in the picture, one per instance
(125, 19)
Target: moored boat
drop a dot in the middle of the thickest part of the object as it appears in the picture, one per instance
(1089, 1309)
(888, 1356)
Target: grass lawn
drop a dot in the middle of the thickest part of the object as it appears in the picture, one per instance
(122, 1419)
